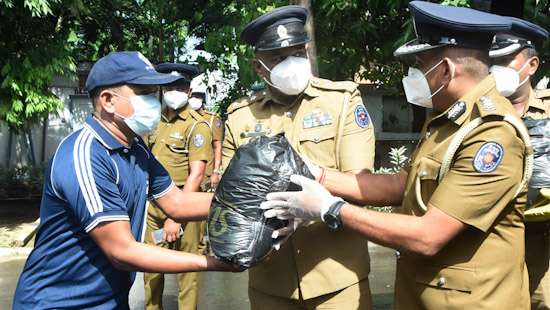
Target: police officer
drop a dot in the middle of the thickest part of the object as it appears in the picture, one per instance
(461, 237)
(515, 59)
(197, 102)
(325, 121)
(181, 143)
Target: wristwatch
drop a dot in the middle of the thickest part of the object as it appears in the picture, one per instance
(332, 216)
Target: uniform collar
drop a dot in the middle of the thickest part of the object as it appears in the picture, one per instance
(183, 114)
(266, 96)
(102, 134)
(462, 108)
(534, 104)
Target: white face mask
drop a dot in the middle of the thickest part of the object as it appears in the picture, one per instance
(195, 103)
(291, 76)
(174, 99)
(146, 115)
(417, 88)
(507, 79)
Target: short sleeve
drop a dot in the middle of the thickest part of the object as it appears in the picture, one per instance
(217, 128)
(357, 144)
(87, 179)
(200, 143)
(485, 175)
(229, 146)
(160, 181)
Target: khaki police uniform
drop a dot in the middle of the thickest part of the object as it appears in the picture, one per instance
(537, 241)
(328, 124)
(176, 143)
(216, 125)
(482, 267)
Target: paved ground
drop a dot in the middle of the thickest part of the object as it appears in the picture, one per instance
(224, 291)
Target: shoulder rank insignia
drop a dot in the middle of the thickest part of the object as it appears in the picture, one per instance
(487, 104)
(176, 135)
(198, 140)
(317, 118)
(488, 157)
(456, 111)
(361, 116)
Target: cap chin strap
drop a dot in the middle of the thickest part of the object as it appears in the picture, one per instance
(457, 141)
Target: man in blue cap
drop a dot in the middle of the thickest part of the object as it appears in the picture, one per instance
(515, 58)
(460, 239)
(88, 248)
(181, 144)
(325, 121)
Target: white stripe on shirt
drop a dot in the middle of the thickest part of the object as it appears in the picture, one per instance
(83, 188)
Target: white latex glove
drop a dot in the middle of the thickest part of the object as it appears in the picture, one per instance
(309, 204)
(285, 232)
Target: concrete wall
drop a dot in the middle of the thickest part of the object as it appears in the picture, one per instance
(391, 116)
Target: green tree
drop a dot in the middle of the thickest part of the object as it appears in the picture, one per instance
(34, 47)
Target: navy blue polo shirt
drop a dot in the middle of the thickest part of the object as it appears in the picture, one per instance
(92, 178)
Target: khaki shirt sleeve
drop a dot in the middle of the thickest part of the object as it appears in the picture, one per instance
(357, 145)
(217, 128)
(477, 198)
(229, 146)
(199, 144)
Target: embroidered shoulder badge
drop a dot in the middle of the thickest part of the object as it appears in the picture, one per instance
(488, 157)
(361, 116)
(198, 140)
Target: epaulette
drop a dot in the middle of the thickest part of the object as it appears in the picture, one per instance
(196, 115)
(245, 101)
(490, 106)
(211, 113)
(542, 93)
(348, 86)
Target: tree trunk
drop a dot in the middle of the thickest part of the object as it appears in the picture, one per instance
(310, 28)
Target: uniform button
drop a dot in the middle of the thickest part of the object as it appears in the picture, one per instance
(298, 251)
(173, 145)
(423, 173)
(125, 150)
(316, 139)
(397, 254)
(288, 114)
(428, 134)
(441, 281)
(161, 140)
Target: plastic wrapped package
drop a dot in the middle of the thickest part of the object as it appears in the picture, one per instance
(539, 133)
(237, 230)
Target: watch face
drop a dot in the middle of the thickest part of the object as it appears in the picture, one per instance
(331, 221)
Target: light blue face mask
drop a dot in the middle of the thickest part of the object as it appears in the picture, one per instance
(146, 115)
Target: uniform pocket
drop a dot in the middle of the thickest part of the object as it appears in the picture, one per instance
(427, 173)
(176, 145)
(318, 145)
(450, 278)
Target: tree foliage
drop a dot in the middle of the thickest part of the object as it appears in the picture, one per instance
(44, 38)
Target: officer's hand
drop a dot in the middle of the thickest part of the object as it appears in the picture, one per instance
(285, 232)
(214, 180)
(315, 169)
(171, 231)
(306, 204)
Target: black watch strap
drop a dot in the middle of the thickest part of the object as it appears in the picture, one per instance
(332, 216)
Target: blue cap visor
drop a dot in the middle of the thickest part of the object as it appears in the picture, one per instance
(155, 79)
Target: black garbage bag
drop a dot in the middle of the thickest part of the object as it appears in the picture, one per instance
(539, 133)
(237, 230)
